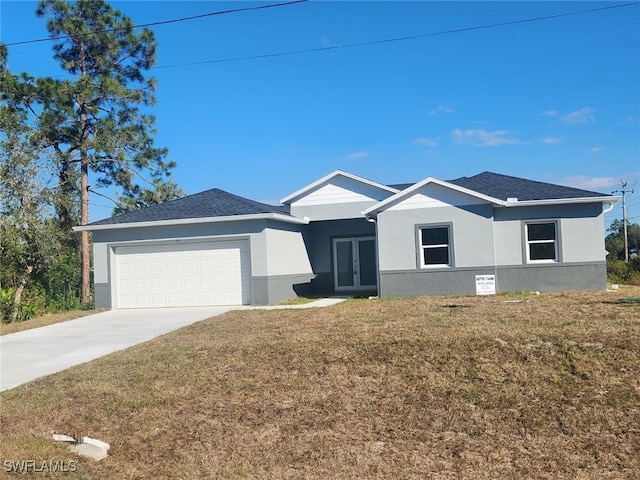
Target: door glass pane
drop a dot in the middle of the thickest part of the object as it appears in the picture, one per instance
(344, 263)
(367, 261)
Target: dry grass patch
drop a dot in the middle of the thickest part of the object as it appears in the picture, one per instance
(44, 320)
(465, 387)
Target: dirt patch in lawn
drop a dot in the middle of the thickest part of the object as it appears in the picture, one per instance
(541, 386)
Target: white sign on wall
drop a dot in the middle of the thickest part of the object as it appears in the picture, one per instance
(485, 284)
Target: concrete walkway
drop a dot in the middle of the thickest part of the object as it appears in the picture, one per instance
(27, 355)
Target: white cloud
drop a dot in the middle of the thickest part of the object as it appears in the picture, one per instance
(428, 142)
(357, 155)
(441, 109)
(483, 138)
(596, 149)
(591, 183)
(585, 114)
(550, 140)
(550, 113)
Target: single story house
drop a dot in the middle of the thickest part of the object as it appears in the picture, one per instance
(347, 235)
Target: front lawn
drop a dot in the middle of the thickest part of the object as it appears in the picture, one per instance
(522, 386)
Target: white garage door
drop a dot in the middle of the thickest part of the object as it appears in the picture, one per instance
(194, 274)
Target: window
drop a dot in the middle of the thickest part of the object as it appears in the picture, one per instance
(435, 246)
(542, 242)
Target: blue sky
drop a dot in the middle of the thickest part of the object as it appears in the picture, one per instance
(555, 100)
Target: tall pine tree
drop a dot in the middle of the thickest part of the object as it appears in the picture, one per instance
(96, 120)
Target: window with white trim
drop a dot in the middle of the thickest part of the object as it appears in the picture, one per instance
(542, 242)
(435, 246)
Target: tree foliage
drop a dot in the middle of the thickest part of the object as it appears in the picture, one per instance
(31, 241)
(618, 270)
(95, 120)
(97, 116)
(87, 132)
(614, 241)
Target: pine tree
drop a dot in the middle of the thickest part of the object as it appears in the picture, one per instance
(95, 121)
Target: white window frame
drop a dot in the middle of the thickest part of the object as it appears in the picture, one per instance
(421, 248)
(555, 241)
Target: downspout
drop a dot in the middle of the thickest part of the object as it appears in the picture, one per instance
(609, 208)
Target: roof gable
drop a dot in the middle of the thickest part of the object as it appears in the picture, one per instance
(339, 187)
(207, 204)
(434, 195)
(414, 192)
(493, 188)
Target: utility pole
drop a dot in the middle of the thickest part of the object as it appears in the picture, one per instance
(623, 190)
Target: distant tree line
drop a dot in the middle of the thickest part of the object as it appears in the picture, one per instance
(63, 139)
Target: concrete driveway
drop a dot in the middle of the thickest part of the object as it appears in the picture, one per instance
(25, 356)
(30, 354)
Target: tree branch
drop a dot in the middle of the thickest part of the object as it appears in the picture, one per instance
(126, 167)
(91, 190)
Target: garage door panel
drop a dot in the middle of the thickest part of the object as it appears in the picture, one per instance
(191, 282)
(157, 267)
(189, 266)
(215, 273)
(173, 266)
(207, 265)
(141, 267)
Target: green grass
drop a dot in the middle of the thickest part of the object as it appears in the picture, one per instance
(544, 388)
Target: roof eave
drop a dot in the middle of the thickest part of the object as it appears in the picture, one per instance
(562, 201)
(188, 221)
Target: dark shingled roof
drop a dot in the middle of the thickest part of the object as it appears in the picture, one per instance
(218, 203)
(503, 187)
(210, 203)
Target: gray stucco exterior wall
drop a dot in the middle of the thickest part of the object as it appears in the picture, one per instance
(581, 231)
(472, 235)
(279, 259)
(320, 237)
(102, 295)
(491, 241)
(516, 278)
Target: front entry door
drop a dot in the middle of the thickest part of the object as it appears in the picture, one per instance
(354, 263)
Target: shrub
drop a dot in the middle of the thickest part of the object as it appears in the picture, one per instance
(6, 304)
(618, 271)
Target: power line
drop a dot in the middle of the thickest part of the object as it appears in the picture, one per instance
(399, 39)
(163, 22)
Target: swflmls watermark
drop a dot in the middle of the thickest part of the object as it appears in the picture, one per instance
(28, 466)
